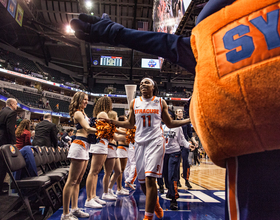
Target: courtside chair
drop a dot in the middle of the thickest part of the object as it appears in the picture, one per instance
(57, 178)
(38, 188)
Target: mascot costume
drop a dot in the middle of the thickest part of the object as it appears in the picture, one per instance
(234, 52)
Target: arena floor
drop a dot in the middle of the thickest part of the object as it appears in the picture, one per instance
(206, 200)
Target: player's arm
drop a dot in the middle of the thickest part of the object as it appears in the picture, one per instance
(168, 120)
(128, 123)
(194, 141)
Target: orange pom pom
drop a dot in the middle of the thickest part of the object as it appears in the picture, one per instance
(130, 135)
(105, 130)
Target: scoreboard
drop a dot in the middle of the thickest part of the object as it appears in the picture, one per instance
(110, 61)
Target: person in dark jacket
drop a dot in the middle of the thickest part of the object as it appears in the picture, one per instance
(45, 133)
(187, 131)
(66, 138)
(8, 118)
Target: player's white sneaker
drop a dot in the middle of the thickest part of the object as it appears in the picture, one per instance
(129, 185)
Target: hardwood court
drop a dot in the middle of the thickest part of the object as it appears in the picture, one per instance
(208, 176)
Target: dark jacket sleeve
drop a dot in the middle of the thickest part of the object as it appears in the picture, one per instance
(189, 130)
(176, 49)
(53, 135)
(211, 7)
(185, 132)
(10, 127)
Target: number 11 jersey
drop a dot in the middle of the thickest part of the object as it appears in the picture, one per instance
(148, 119)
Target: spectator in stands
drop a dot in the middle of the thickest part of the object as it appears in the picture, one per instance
(32, 134)
(57, 107)
(23, 134)
(19, 119)
(58, 139)
(41, 103)
(9, 67)
(8, 117)
(66, 138)
(45, 133)
(47, 103)
(32, 127)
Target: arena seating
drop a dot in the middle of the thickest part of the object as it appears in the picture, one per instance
(30, 99)
(55, 75)
(18, 61)
(63, 105)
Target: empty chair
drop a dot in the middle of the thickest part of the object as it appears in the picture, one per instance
(38, 188)
(57, 178)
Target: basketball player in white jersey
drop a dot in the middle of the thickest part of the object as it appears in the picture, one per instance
(146, 112)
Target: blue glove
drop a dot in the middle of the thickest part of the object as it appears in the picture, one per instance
(94, 29)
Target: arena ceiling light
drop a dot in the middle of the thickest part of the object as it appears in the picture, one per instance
(69, 30)
(88, 4)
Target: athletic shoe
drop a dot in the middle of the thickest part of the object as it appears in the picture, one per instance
(123, 192)
(129, 185)
(111, 192)
(107, 196)
(158, 210)
(173, 204)
(148, 217)
(161, 189)
(69, 216)
(168, 195)
(93, 204)
(79, 213)
(187, 184)
(99, 201)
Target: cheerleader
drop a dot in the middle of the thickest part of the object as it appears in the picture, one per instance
(122, 152)
(99, 154)
(79, 157)
(112, 162)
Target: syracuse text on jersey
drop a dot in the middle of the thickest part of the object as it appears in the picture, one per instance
(148, 111)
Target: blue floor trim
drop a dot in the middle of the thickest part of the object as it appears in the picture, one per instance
(193, 205)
